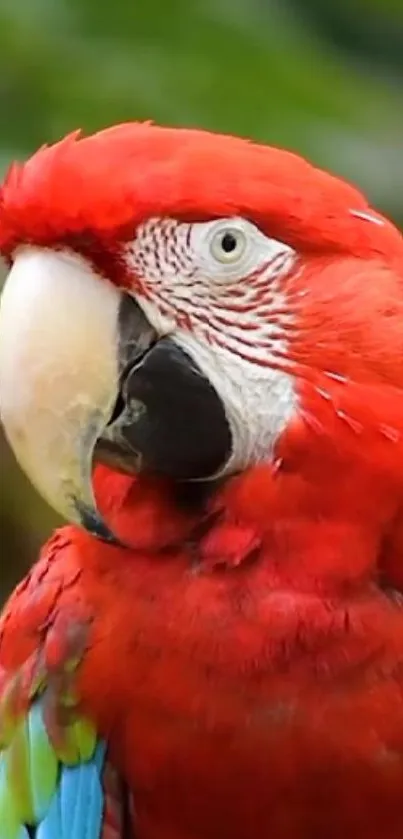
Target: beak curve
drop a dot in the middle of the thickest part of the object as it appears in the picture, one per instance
(84, 375)
(59, 375)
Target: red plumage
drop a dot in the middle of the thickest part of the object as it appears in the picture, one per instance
(244, 658)
(100, 185)
(265, 700)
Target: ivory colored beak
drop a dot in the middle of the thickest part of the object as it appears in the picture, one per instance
(59, 374)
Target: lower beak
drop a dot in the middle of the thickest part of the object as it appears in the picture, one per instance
(83, 372)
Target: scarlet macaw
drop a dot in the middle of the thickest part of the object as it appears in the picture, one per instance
(201, 345)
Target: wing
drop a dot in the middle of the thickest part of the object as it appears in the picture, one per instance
(55, 778)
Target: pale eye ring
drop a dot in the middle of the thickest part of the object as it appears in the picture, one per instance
(228, 244)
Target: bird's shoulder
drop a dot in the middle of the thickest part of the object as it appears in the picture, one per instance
(55, 778)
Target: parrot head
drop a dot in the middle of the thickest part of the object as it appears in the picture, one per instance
(184, 303)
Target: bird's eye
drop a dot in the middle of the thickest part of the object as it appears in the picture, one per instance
(228, 244)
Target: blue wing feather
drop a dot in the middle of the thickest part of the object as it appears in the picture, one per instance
(76, 809)
(65, 801)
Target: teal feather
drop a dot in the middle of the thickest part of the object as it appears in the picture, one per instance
(59, 793)
(76, 809)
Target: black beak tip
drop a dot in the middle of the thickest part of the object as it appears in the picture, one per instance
(92, 522)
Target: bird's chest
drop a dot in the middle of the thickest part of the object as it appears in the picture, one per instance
(261, 757)
(225, 721)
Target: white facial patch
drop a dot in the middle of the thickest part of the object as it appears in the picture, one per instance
(218, 289)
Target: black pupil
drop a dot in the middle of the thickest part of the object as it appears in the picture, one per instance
(228, 242)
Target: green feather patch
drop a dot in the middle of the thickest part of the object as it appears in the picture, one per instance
(30, 766)
(41, 731)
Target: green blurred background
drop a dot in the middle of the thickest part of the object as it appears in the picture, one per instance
(324, 78)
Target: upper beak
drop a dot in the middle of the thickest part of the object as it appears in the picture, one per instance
(59, 374)
(83, 372)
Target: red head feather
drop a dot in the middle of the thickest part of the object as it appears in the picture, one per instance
(102, 186)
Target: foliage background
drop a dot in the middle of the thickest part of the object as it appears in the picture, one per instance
(321, 78)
